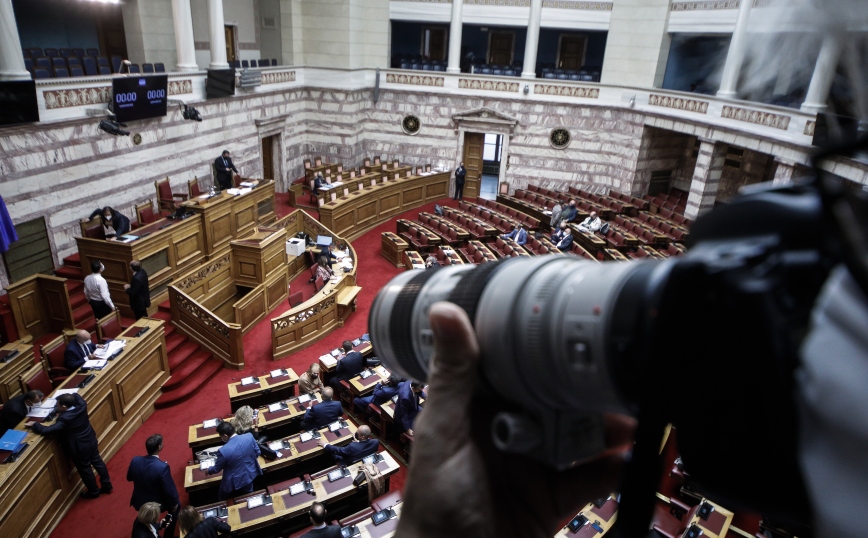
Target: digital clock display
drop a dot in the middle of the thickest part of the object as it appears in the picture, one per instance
(139, 97)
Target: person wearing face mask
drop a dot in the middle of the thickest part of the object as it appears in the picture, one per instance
(115, 223)
(96, 291)
(79, 350)
(362, 446)
(16, 409)
(223, 168)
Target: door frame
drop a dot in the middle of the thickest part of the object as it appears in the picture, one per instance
(445, 41)
(486, 121)
(584, 47)
(276, 127)
(234, 26)
(511, 52)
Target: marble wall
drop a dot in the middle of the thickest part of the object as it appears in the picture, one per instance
(663, 150)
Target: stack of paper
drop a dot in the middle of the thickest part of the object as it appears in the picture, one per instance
(295, 489)
(110, 349)
(276, 407)
(211, 423)
(39, 412)
(304, 398)
(59, 392)
(207, 464)
(95, 364)
(249, 381)
(334, 426)
(279, 373)
(328, 360)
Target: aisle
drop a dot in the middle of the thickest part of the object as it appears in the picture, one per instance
(112, 514)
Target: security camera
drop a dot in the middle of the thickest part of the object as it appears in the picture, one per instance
(113, 128)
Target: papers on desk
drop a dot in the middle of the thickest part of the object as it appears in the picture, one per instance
(279, 373)
(295, 489)
(418, 266)
(249, 184)
(336, 352)
(339, 254)
(253, 502)
(48, 403)
(547, 212)
(304, 398)
(357, 342)
(61, 392)
(337, 474)
(39, 412)
(275, 445)
(279, 406)
(110, 349)
(204, 197)
(249, 381)
(347, 264)
(366, 374)
(328, 360)
(127, 238)
(306, 436)
(94, 364)
(335, 426)
(239, 192)
(207, 464)
(211, 423)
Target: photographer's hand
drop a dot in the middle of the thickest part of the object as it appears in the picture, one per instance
(460, 486)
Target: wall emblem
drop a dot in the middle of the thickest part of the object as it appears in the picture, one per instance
(411, 124)
(559, 138)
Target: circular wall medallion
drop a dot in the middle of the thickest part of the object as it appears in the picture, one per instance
(559, 138)
(137, 139)
(411, 124)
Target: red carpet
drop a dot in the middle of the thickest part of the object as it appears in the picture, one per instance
(112, 514)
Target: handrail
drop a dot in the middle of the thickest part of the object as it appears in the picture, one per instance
(223, 339)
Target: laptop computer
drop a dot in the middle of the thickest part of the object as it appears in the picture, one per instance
(323, 241)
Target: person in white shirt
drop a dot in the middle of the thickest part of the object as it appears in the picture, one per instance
(591, 224)
(96, 291)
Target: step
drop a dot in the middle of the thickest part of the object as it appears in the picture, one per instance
(165, 306)
(193, 385)
(73, 261)
(81, 313)
(73, 273)
(168, 330)
(181, 354)
(165, 316)
(77, 300)
(174, 341)
(188, 371)
(89, 326)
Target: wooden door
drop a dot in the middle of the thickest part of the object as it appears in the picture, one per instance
(500, 48)
(473, 145)
(267, 158)
(571, 53)
(110, 32)
(230, 42)
(434, 44)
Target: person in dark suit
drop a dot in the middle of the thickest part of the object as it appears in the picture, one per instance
(223, 167)
(148, 524)
(382, 394)
(237, 459)
(139, 290)
(570, 212)
(79, 350)
(566, 243)
(152, 482)
(460, 175)
(362, 447)
(408, 405)
(350, 365)
(193, 525)
(318, 517)
(559, 233)
(115, 223)
(518, 234)
(323, 413)
(79, 441)
(16, 409)
(317, 183)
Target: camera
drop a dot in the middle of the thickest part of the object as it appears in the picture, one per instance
(113, 128)
(190, 113)
(707, 342)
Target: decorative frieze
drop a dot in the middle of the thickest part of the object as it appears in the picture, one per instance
(278, 77)
(766, 119)
(203, 273)
(180, 87)
(509, 3)
(583, 6)
(678, 103)
(810, 127)
(414, 80)
(487, 85)
(288, 320)
(710, 5)
(76, 97)
(567, 91)
(207, 319)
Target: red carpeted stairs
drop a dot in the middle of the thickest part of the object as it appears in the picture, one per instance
(190, 365)
(82, 313)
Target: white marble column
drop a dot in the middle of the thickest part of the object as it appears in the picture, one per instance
(824, 74)
(183, 20)
(454, 64)
(11, 57)
(735, 55)
(218, 35)
(532, 43)
(706, 178)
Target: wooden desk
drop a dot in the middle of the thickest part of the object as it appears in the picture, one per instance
(363, 387)
(15, 367)
(199, 437)
(353, 215)
(40, 305)
(385, 529)
(392, 248)
(40, 487)
(604, 516)
(328, 366)
(412, 260)
(277, 421)
(717, 524)
(269, 389)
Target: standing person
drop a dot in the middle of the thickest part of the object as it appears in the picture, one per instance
(460, 174)
(237, 459)
(309, 381)
(556, 216)
(223, 169)
(96, 291)
(193, 525)
(245, 423)
(139, 290)
(570, 212)
(17, 407)
(152, 482)
(408, 405)
(79, 442)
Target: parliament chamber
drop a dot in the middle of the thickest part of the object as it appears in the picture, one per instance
(269, 166)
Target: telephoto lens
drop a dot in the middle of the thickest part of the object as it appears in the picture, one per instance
(552, 330)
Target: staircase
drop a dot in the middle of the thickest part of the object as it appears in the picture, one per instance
(82, 313)
(190, 365)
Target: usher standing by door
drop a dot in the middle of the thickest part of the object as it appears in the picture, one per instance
(223, 167)
(460, 174)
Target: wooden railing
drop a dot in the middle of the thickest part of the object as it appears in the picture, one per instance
(223, 339)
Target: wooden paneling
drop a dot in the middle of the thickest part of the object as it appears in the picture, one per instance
(139, 383)
(102, 413)
(55, 298)
(473, 146)
(276, 290)
(15, 367)
(220, 231)
(250, 309)
(26, 303)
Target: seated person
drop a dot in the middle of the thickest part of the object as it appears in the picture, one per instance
(518, 234)
(591, 224)
(570, 212)
(318, 518)
(350, 365)
(559, 233)
(323, 270)
(79, 350)
(193, 525)
(408, 405)
(322, 414)
(16, 408)
(309, 381)
(382, 394)
(115, 224)
(566, 243)
(362, 446)
(318, 182)
(431, 262)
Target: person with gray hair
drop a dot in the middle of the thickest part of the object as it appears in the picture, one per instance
(16, 409)
(147, 523)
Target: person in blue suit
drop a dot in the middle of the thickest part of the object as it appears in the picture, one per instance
(382, 394)
(408, 405)
(237, 459)
(318, 182)
(362, 447)
(350, 365)
(566, 243)
(518, 234)
(79, 442)
(79, 350)
(323, 413)
(152, 482)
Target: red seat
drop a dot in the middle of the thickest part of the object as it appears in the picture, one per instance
(296, 299)
(109, 327)
(52, 356)
(39, 381)
(356, 518)
(318, 283)
(388, 500)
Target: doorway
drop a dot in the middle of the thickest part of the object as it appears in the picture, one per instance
(492, 152)
(571, 51)
(271, 166)
(501, 48)
(472, 156)
(434, 42)
(231, 32)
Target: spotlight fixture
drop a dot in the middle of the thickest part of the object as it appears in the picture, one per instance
(191, 113)
(113, 128)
